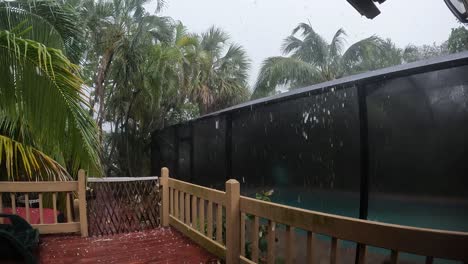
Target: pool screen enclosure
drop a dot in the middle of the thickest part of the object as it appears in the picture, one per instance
(388, 145)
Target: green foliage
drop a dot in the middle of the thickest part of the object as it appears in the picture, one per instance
(458, 40)
(415, 53)
(147, 72)
(311, 59)
(41, 106)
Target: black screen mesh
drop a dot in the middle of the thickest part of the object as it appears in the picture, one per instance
(306, 146)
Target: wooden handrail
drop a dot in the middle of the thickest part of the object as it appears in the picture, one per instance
(199, 191)
(431, 243)
(422, 241)
(53, 188)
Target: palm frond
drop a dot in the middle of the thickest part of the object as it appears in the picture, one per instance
(40, 87)
(213, 39)
(23, 162)
(337, 43)
(48, 22)
(290, 44)
(361, 54)
(276, 71)
(312, 48)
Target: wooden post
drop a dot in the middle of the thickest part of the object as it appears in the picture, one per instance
(232, 221)
(164, 181)
(82, 203)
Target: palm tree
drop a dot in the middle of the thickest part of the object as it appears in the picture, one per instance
(108, 25)
(45, 130)
(312, 60)
(222, 67)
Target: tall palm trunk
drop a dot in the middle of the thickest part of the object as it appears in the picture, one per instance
(99, 95)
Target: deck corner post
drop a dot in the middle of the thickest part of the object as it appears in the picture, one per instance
(164, 182)
(82, 203)
(232, 222)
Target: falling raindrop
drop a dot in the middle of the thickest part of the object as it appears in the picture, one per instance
(306, 117)
(304, 134)
(342, 105)
(271, 117)
(328, 112)
(217, 124)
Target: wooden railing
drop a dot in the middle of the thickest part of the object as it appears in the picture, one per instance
(51, 188)
(185, 205)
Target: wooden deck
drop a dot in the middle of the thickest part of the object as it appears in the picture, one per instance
(162, 245)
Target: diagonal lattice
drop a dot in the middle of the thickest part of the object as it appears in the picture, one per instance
(122, 205)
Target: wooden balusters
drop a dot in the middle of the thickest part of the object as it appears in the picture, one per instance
(255, 226)
(271, 242)
(194, 212)
(202, 216)
(69, 213)
(290, 245)
(54, 198)
(13, 203)
(182, 207)
(394, 257)
(171, 197)
(41, 209)
(242, 234)
(176, 203)
(310, 247)
(334, 251)
(362, 251)
(429, 260)
(54, 205)
(210, 219)
(26, 205)
(187, 203)
(219, 224)
(187, 208)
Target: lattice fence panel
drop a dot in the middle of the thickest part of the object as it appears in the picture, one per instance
(122, 205)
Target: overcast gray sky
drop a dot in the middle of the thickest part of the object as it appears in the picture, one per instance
(261, 25)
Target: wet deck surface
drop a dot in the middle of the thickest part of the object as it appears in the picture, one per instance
(162, 245)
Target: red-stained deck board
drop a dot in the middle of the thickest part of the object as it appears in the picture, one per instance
(162, 245)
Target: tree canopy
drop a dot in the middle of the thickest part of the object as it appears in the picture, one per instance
(84, 83)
